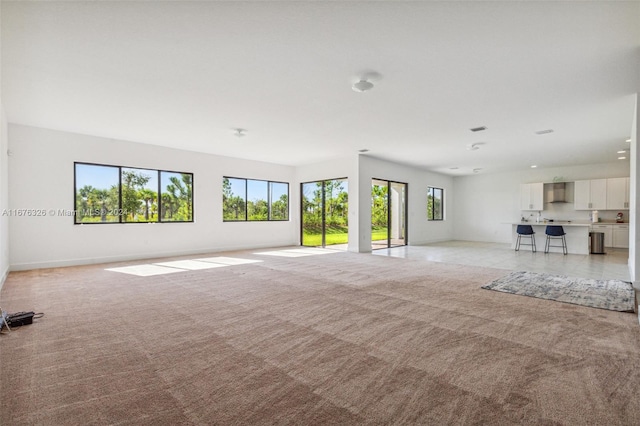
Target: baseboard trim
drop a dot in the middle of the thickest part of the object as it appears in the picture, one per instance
(132, 257)
(439, 240)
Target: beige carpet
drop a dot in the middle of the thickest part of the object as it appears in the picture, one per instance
(339, 338)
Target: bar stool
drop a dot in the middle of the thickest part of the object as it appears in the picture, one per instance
(555, 232)
(526, 231)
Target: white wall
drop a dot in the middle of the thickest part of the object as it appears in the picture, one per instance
(483, 204)
(4, 190)
(4, 198)
(41, 177)
(634, 199)
(420, 230)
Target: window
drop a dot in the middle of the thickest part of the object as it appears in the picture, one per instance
(234, 196)
(139, 195)
(279, 200)
(324, 213)
(254, 200)
(435, 203)
(176, 197)
(97, 194)
(257, 196)
(113, 194)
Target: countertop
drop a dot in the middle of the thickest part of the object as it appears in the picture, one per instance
(553, 223)
(565, 223)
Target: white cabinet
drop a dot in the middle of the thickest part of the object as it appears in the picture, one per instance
(532, 196)
(615, 235)
(608, 233)
(590, 194)
(618, 193)
(620, 236)
(582, 194)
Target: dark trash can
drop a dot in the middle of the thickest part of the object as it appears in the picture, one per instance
(597, 242)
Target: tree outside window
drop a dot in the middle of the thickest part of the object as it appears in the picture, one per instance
(234, 195)
(139, 195)
(114, 194)
(97, 193)
(176, 196)
(279, 200)
(254, 200)
(257, 196)
(435, 197)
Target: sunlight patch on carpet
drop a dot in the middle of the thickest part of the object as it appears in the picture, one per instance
(145, 270)
(190, 265)
(614, 295)
(297, 252)
(161, 268)
(228, 260)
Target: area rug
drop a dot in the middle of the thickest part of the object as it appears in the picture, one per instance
(614, 295)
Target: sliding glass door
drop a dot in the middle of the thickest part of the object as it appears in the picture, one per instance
(388, 213)
(325, 208)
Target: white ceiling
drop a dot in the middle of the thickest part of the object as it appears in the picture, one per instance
(184, 74)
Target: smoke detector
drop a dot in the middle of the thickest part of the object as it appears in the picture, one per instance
(474, 146)
(362, 86)
(239, 132)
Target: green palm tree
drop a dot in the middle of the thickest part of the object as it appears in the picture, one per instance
(184, 189)
(148, 197)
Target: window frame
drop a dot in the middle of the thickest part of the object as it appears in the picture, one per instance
(120, 216)
(431, 211)
(268, 199)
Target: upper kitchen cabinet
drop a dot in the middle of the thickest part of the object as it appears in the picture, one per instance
(590, 194)
(618, 193)
(532, 196)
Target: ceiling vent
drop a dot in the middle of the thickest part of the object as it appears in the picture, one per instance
(544, 132)
(478, 129)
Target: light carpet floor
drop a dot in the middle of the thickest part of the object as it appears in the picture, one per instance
(334, 339)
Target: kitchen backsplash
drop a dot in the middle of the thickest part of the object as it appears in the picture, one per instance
(565, 211)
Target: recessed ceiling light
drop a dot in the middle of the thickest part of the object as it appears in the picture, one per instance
(629, 140)
(478, 129)
(622, 151)
(544, 132)
(622, 158)
(533, 166)
(453, 168)
(476, 170)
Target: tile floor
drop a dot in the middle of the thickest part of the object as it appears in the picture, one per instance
(612, 265)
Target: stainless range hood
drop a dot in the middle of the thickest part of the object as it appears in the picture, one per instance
(556, 192)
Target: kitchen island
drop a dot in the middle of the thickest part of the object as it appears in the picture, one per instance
(577, 236)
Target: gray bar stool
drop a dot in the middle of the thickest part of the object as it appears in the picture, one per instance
(555, 232)
(526, 231)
